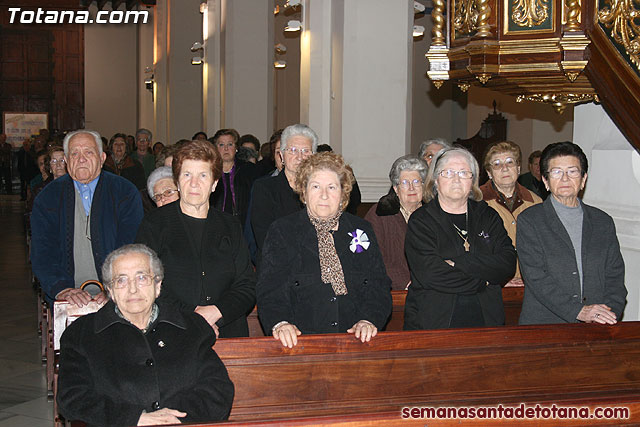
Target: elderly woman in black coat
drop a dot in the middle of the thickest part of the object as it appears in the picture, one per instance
(322, 271)
(137, 361)
(205, 257)
(458, 251)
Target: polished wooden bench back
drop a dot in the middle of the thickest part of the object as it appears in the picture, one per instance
(336, 374)
(511, 296)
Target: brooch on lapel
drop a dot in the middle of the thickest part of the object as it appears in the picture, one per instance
(359, 241)
(484, 235)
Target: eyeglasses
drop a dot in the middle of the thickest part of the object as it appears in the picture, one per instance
(56, 161)
(141, 280)
(450, 173)
(143, 140)
(407, 183)
(557, 173)
(294, 151)
(164, 195)
(499, 164)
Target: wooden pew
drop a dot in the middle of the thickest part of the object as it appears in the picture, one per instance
(511, 296)
(335, 374)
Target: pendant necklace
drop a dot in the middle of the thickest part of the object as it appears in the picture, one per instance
(464, 234)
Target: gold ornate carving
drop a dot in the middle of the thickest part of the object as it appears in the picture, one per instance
(437, 83)
(573, 15)
(559, 101)
(438, 64)
(529, 13)
(483, 78)
(620, 16)
(437, 17)
(484, 12)
(464, 86)
(465, 20)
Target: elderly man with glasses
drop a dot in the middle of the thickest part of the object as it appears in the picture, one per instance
(79, 218)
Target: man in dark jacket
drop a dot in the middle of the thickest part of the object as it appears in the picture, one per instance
(80, 218)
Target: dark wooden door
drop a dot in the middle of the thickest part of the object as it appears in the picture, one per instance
(26, 70)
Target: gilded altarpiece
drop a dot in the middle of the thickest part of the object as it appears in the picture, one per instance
(529, 16)
(620, 21)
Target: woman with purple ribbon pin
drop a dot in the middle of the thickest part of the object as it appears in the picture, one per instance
(322, 270)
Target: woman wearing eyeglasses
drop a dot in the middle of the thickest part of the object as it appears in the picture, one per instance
(390, 215)
(275, 197)
(459, 253)
(140, 361)
(161, 187)
(569, 253)
(502, 192)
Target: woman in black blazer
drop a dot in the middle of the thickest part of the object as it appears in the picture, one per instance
(322, 271)
(274, 197)
(206, 260)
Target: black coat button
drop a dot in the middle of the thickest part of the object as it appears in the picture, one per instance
(334, 324)
(365, 281)
(333, 299)
(149, 362)
(584, 299)
(155, 405)
(296, 283)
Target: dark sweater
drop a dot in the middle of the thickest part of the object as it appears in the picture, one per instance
(222, 275)
(431, 239)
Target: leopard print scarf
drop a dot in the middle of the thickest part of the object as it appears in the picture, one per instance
(330, 266)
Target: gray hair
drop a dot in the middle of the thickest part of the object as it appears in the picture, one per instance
(160, 173)
(302, 130)
(144, 131)
(135, 248)
(407, 163)
(438, 164)
(96, 137)
(429, 142)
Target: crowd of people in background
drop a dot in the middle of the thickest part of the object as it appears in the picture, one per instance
(224, 223)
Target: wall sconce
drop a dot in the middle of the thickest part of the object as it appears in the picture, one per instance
(203, 6)
(148, 83)
(292, 3)
(280, 64)
(197, 60)
(280, 48)
(418, 7)
(293, 25)
(276, 9)
(418, 30)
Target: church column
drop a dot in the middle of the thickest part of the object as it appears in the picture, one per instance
(613, 185)
(178, 95)
(356, 83)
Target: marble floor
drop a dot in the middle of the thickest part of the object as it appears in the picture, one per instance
(23, 390)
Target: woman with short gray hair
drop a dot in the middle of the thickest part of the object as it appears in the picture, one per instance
(101, 379)
(275, 197)
(161, 187)
(431, 147)
(457, 249)
(390, 215)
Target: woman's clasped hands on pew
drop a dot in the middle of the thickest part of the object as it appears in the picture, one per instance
(322, 271)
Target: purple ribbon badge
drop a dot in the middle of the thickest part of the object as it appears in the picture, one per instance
(359, 242)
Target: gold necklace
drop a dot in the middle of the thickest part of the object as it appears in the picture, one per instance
(464, 234)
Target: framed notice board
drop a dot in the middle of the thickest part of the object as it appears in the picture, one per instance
(20, 126)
